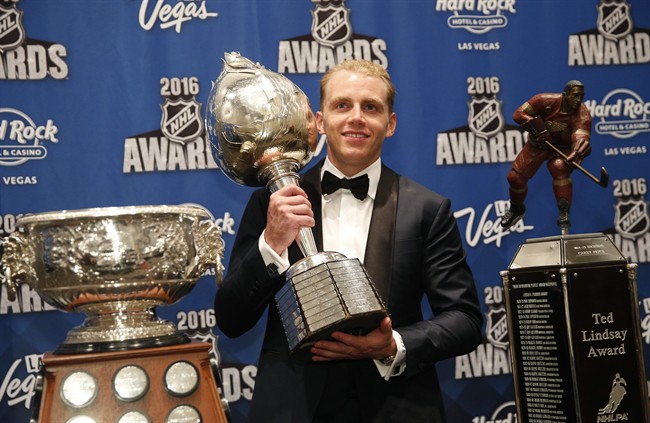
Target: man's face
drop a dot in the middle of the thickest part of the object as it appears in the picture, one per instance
(356, 120)
(573, 99)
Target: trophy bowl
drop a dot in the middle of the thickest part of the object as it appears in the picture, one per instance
(116, 265)
(259, 123)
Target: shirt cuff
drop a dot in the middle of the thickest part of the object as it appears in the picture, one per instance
(398, 365)
(271, 257)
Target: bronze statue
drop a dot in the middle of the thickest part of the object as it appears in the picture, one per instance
(559, 127)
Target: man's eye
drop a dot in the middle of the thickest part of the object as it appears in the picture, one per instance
(341, 105)
(371, 107)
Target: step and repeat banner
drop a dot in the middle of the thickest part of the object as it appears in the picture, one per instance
(102, 103)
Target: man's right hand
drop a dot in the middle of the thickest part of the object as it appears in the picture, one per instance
(289, 210)
(539, 134)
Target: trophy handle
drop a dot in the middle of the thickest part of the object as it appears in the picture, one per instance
(16, 262)
(210, 247)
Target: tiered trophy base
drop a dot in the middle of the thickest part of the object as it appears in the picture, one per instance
(327, 292)
(176, 383)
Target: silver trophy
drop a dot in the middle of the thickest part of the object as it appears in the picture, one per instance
(115, 265)
(262, 132)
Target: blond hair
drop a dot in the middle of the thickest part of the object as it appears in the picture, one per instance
(364, 67)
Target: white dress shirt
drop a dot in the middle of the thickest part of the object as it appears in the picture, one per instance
(346, 219)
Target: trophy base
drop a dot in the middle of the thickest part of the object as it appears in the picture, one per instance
(129, 344)
(108, 328)
(568, 300)
(167, 384)
(325, 293)
(354, 325)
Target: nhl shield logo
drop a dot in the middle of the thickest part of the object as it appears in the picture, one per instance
(485, 117)
(331, 25)
(209, 338)
(631, 218)
(614, 20)
(496, 330)
(181, 120)
(12, 33)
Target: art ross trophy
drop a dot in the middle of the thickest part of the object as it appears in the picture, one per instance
(262, 132)
(116, 265)
(571, 300)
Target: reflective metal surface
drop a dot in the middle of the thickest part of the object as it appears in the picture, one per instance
(184, 414)
(181, 378)
(130, 383)
(134, 417)
(325, 293)
(256, 118)
(79, 389)
(114, 264)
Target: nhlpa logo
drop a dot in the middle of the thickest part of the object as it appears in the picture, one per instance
(12, 33)
(631, 218)
(485, 117)
(615, 397)
(181, 120)
(614, 20)
(331, 22)
(496, 330)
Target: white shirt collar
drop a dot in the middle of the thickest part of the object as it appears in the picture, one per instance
(373, 171)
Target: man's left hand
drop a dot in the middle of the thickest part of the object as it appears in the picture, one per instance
(377, 344)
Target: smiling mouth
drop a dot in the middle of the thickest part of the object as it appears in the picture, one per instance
(355, 135)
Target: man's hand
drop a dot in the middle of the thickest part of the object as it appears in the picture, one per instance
(289, 210)
(581, 149)
(376, 345)
(539, 134)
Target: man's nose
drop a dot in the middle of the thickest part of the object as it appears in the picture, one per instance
(356, 114)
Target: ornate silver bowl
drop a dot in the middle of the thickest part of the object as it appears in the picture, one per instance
(115, 265)
(260, 124)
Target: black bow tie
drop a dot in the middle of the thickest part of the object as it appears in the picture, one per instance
(358, 186)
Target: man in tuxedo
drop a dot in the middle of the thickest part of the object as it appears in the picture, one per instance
(407, 239)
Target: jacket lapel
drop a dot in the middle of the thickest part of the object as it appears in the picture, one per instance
(379, 249)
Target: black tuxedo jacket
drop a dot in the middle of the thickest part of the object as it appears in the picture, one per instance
(414, 249)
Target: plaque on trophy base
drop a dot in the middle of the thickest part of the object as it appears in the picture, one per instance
(166, 384)
(574, 332)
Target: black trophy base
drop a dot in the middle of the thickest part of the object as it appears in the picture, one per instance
(129, 344)
(574, 331)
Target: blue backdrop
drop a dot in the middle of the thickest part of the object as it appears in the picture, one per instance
(89, 90)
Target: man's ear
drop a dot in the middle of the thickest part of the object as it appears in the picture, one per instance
(392, 124)
(319, 123)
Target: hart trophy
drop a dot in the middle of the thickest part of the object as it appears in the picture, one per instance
(262, 132)
(116, 264)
